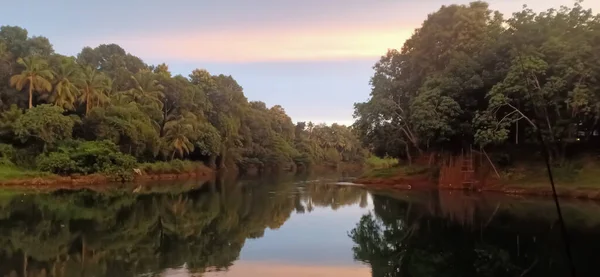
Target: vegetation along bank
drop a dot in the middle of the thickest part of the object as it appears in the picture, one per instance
(476, 87)
(105, 111)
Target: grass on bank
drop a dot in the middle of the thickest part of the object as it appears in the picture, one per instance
(380, 163)
(171, 167)
(584, 174)
(12, 172)
(9, 172)
(397, 170)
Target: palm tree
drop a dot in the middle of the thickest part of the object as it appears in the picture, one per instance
(36, 74)
(65, 90)
(146, 89)
(92, 84)
(103, 96)
(176, 138)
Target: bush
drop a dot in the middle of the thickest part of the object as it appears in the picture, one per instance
(376, 162)
(59, 163)
(26, 157)
(45, 123)
(87, 157)
(7, 151)
(172, 167)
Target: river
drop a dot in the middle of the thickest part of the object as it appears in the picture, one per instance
(283, 226)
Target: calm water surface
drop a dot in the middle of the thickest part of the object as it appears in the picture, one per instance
(287, 227)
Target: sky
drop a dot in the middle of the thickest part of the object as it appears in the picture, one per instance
(313, 57)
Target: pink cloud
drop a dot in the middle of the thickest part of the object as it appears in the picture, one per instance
(264, 45)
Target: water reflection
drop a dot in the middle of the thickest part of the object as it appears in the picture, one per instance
(287, 227)
(190, 230)
(457, 234)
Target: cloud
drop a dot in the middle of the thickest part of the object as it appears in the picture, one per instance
(263, 45)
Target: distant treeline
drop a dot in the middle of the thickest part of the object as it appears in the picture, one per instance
(471, 77)
(111, 104)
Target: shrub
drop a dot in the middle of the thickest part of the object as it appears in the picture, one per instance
(45, 123)
(172, 167)
(86, 157)
(7, 151)
(376, 162)
(59, 163)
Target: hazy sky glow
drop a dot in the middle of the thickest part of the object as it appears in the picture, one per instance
(313, 57)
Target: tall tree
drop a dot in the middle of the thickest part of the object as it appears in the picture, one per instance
(91, 85)
(35, 74)
(177, 137)
(67, 76)
(146, 89)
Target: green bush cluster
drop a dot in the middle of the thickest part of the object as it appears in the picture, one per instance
(87, 157)
(171, 167)
(7, 153)
(377, 162)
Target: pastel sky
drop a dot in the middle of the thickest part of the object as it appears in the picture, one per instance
(313, 57)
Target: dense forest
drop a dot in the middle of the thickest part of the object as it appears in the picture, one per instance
(469, 77)
(106, 110)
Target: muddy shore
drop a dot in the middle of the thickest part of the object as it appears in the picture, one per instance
(425, 183)
(99, 180)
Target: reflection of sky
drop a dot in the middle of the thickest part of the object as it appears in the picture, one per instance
(316, 238)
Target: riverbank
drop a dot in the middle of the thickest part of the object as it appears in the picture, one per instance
(16, 177)
(583, 183)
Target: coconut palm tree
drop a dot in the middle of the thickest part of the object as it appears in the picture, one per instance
(35, 74)
(67, 76)
(146, 89)
(176, 138)
(92, 84)
(103, 96)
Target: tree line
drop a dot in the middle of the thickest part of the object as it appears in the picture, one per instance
(113, 103)
(469, 77)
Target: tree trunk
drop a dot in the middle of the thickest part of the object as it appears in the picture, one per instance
(491, 163)
(173, 154)
(517, 133)
(30, 92)
(25, 264)
(87, 102)
(408, 156)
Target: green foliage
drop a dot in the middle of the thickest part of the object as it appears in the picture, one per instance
(377, 162)
(57, 162)
(468, 76)
(171, 167)
(7, 151)
(8, 171)
(66, 76)
(106, 93)
(126, 125)
(44, 123)
(86, 157)
(385, 172)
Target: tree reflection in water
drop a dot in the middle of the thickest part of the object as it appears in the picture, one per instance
(117, 233)
(457, 234)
